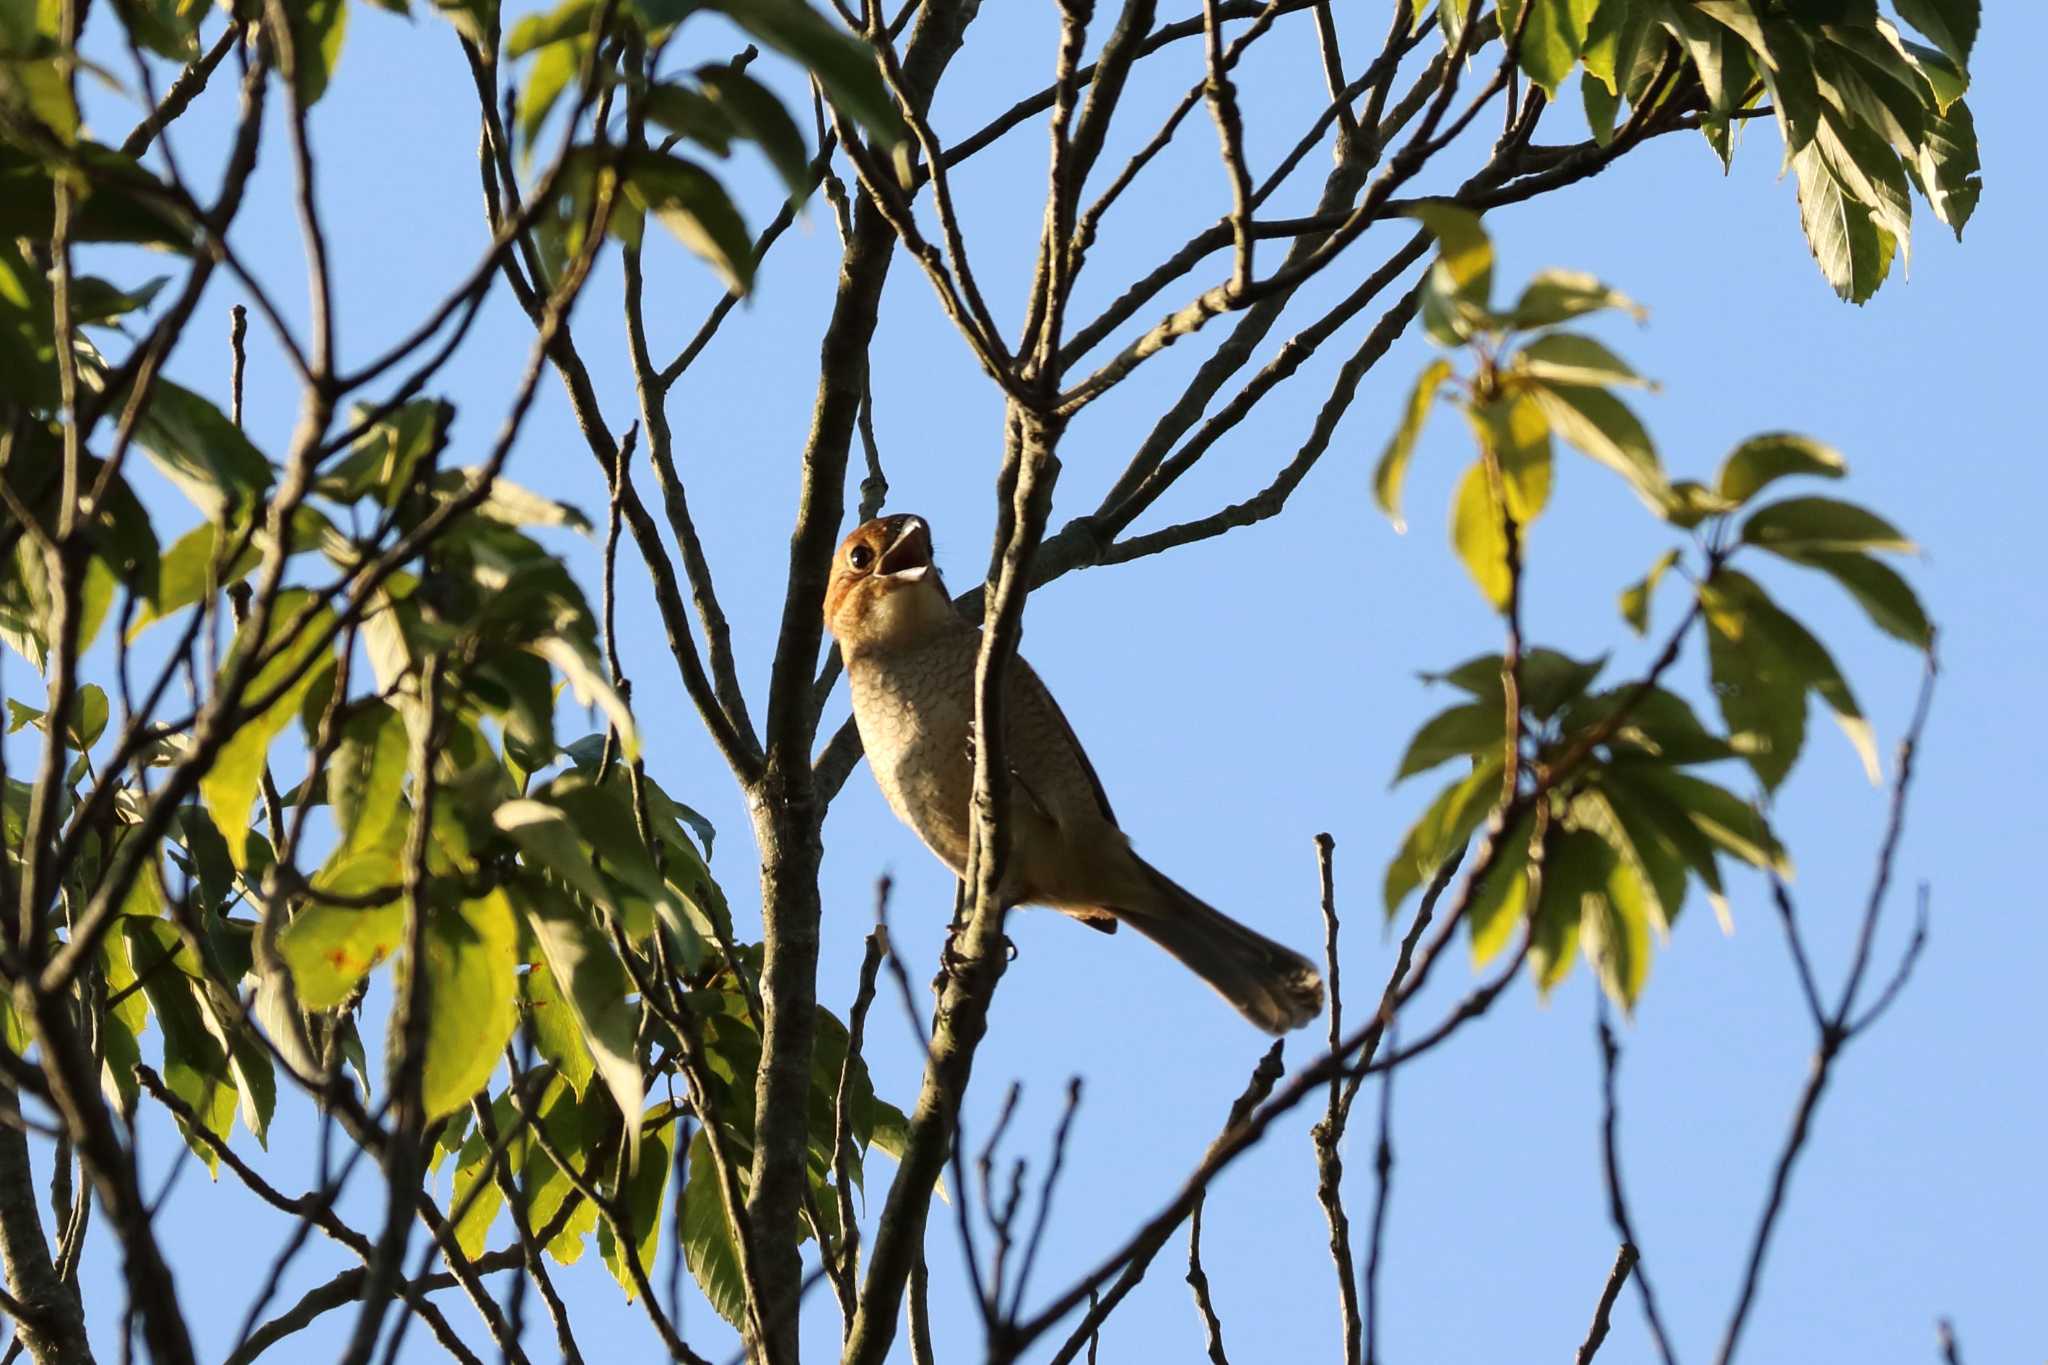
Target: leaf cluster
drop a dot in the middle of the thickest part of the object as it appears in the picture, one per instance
(1601, 825)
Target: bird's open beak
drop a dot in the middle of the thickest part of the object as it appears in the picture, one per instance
(909, 557)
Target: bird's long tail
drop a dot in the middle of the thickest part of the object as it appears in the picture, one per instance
(1275, 987)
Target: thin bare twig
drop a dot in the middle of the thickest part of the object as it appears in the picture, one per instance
(1617, 1201)
(1624, 1262)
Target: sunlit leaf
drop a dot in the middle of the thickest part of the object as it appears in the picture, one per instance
(1478, 535)
(1392, 471)
(471, 1007)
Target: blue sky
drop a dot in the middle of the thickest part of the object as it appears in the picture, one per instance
(1241, 695)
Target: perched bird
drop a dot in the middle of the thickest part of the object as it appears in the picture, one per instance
(910, 659)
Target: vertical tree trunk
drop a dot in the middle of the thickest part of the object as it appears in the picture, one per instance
(56, 1330)
(788, 810)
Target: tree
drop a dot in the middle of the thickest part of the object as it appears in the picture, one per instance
(377, 607)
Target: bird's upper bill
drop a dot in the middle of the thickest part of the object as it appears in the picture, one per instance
(866, 603)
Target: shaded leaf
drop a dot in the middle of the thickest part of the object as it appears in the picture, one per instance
(1762, 460)
(589, 978)
(1602, 426)
(1885, 597)
(1443, 828)
(1570, 358)
(709, 1247)
(1459, 731)
(1805, 525)
(639, 1204)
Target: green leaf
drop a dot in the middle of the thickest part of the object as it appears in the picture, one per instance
(1950, 25)
(1501, 900)
(639, 1206)
(691, 113)
(1786, 65)
(1613, 40)
(758, 115)
(1658, 890)
(229, 787)
(1570, 358)
(1762, 460)
(570, 19)
(508, 504)
(1658, 724)
(1945, 166)
(1548, 679)
(1555, 296)
(183, 573)
(329, 948)
(195, 1067)
(476, 1193)
(589, 977)
(1551, 37)
(1460, 281)
(88, 717)
(382, 460)
(1764, 662)
(366, 776)
(1762, 694)
(1443, 828)
(1392, 471)
(1804, 525)
(317, 27)
(1602, 426)
(1614, 930)
(587, 682)
(845, 66)
(1655, 820)
(1635, 599)
(557, 1036)
(1731, 824)
(1478, 536)
(1602, 105)
(1869, 171)
(1575, 866)
(471, 966)
(572, 1127)
(1873, 89)
(1854, 253)
(1884, 596)
(709, 1246)
(557, 65)
(1461, 730)
(1716, 52)
(202, 452)
(1517, 433)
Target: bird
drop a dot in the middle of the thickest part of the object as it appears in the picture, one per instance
(910, 660)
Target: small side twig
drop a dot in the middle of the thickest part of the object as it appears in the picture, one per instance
(1198, 1281)
(1624, 1262)
(1617, 1201)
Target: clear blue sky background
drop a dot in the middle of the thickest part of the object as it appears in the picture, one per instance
(1241, 695)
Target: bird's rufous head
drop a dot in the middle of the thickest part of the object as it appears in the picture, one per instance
(885, 589)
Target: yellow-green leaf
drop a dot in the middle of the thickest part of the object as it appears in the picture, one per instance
(1392, 471)
(1477, 534)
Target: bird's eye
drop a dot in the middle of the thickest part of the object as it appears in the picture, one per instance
(859, 557)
